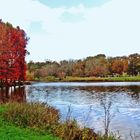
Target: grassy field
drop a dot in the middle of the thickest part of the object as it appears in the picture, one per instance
(102, 79)
(9, 131)
(90, 79)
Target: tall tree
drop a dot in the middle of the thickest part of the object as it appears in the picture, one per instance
(13, 43)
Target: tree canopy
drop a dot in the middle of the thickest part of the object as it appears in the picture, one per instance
(98, 66)
(13, 43)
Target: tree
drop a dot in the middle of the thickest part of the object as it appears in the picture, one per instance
(134, 64)
(96, 66)
(13, 43)
(117, 67)
(78, 68)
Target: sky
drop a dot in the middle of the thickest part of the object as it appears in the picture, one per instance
(75, 29)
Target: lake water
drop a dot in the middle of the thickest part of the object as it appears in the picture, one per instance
(95, 105)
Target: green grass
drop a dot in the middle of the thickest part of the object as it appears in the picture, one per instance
(123, 79)
(83, 79)
(102, 79)
(89, 79)
(9, 131)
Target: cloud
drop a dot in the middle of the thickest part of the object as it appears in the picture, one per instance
(112, 28)
(69, 17)
(35, 27)
(70, 3)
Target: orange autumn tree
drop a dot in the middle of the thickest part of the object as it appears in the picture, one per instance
(13, 43)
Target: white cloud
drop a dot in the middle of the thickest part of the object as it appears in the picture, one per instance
(112, 28)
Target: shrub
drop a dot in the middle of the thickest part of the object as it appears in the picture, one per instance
(33, 115)
(71, 131)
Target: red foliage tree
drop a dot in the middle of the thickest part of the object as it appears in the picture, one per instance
(13, 43)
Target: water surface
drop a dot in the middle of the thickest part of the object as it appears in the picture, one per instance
(88, 102)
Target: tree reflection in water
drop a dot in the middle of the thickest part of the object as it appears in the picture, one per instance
(11, 94)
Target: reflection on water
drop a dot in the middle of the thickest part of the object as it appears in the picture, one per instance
(102, 107)
(11, 94)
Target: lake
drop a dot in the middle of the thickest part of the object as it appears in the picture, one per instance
(106, 105)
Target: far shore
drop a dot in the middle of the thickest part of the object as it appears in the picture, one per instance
(87, 79)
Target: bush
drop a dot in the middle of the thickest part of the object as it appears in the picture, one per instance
(31, 115)
(71, 131)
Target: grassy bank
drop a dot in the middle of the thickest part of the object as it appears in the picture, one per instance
(10, 131)
(102, 79)
(35, 121)
(90, 79)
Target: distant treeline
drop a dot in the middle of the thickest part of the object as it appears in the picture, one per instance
(98, 66)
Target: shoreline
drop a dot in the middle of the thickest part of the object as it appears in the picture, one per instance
(88, 79)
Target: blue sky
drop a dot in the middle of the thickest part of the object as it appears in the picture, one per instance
(74, 29)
